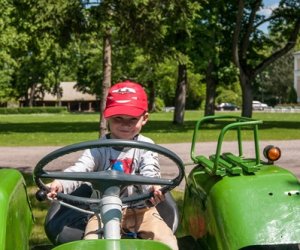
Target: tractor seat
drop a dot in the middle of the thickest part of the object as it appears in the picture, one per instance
(63, 224)
(168, 210)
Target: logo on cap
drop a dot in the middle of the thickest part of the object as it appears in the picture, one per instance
(126, 98)
(124, 90)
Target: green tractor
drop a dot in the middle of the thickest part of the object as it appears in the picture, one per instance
(230, 201)
(16, 219)
(236, 202)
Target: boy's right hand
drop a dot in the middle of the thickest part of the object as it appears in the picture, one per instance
(54, 188)
(158, 196)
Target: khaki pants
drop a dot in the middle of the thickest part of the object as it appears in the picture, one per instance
(145, 221)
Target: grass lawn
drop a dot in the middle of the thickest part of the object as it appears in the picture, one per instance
(64, 129)
(39, 210)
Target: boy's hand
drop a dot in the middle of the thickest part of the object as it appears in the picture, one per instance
(158, 196)
(54, 188)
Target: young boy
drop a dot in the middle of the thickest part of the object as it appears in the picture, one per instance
(126, 112)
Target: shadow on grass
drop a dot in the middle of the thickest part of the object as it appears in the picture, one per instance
(280, 124)
(51, 127)
(152, 126)
(62, 127)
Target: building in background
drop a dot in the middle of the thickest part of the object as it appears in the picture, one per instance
(297, 74)
(70, 97)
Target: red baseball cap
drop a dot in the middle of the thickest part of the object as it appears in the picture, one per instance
(126, 98)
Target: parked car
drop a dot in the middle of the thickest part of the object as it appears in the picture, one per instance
(257, 105)
(227, 106)
(168, 109)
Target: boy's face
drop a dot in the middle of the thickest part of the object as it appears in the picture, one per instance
(126, 127)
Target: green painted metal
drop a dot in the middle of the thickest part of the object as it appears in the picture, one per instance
(124, 244)
(15, 212)
(232, 202)
(251, 210)
(238, 211)
(236, 124)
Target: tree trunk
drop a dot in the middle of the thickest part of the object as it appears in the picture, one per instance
(59, 91)
(247, 95)
(180, 95)
(152, 95)
(32, 94)
(106, 83)
(59, 95)
(211, 83)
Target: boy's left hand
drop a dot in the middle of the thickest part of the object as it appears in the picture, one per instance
(158, 196)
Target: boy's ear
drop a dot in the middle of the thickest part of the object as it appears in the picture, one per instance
(145, 118)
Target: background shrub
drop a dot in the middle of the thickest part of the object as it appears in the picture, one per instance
(33, 110)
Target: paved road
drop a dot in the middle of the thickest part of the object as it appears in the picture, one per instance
(25, 158)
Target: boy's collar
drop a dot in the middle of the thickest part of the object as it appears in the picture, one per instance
(120, 148)
(108, 136)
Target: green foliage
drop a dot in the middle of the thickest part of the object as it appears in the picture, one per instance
(292, 98)
(159, 104)
(275, 85)
(45, 42)
(8, 41)
(33, 110)
(45, 29)
(196, 91)
(229, 93)
(89, 67)
(132, 63)
(165, 79)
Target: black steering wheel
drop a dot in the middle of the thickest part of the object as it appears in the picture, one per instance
(109, 178)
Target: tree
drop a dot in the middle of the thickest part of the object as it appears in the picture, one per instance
(211, 53)
(102, 16)
(276, 83)
(161, 29)
(205, 52)
(9, 39)
(47, 28)
(230, 33)
(179, 37)
(248, 40)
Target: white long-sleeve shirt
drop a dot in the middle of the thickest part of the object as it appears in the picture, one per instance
(130, 160)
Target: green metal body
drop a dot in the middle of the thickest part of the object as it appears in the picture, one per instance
(124, 244)
(16, 221)
(232, 202)
(15, 212)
